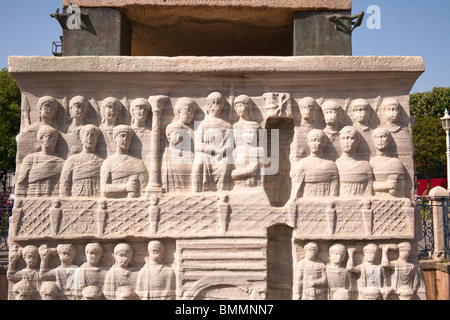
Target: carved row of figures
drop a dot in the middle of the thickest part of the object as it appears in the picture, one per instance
(339, 279)
(118, 160)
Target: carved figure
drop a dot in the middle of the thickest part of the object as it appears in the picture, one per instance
(48, 109)
(213, 147)
(310, 280)
(40, 171)
(30, 274)
(80, 176)
(91, 293)
(278, 104)
(406, 278)
(156, 281)
(178, 156)
(78, 108)
(110, 109)
(141, 146)
(401, 144)
(315, 176)
(119, 274)
(125, 293)
(355, 174)
(361, 114)
(90, 273)
(372, 277)
(64, 274)
(388, 171)
(333, 114)
(308, 108)
(122, 175)
(339, 279)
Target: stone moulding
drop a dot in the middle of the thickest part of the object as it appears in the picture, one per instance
(333, 167)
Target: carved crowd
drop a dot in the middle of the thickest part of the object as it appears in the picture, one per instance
(352, 150)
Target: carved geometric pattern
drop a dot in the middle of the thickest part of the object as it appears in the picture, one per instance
(391, 218)
(127, 218)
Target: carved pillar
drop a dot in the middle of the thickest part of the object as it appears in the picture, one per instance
(157, 103)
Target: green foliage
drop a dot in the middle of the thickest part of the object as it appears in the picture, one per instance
(430, 104)
(10, 98)
(429, 145)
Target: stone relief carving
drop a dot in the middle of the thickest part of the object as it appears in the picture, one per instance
(213, 143)
(327, 160)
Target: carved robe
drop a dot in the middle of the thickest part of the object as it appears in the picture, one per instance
(80, 176)
(156, 282)
(355, 177)
(115, 278)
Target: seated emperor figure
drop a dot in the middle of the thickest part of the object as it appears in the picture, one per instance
(121, 174)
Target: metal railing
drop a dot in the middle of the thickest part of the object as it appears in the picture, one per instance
(430, 211)
(5, 214)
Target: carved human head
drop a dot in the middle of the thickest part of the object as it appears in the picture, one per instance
(89, 136)
(243, 106)
(49, 290)
(185, 110)
(30, 254)
(156, 251)
(381, 138)
(215, 102)
(23, 290)
(122, 136)
(94, 253)
(48, 108)
(311, 249)
(349, 138)
(78, 107)
(123, 253)
(360, 111)
(308, 107)
(317, 141)
(404, 250)
(337, 253)
(140, 109)
(124, 293)
(111, 108)
(391, 109)
(66, 253)
(91, 293)
(370, 252)
(332, 112)
(48, 136)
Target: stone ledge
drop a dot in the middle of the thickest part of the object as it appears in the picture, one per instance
(291, 4)
(182, 64)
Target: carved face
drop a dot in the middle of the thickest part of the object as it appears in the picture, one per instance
(310, 252)
(392, 113)
(140, 112)
(308, 110)
(186, 114)
(348, 142)
(123, 258)
(336, 256)
(242, 109)
(111, 112)
(123, 140)
(215, 105)
(89, 139)
(331, 116)
(316, 143)
(48, 110)
(66, 255)
(93, 256)
(369, 255)
(49, 140)
(381, 140)
(78, 110)
(156, 252)
(404, 253)
(361, 113)
(31, 259)
(23, 294)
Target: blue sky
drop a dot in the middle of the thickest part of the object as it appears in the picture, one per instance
(408, 28)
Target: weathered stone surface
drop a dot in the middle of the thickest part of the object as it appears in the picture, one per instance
(145, 172)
